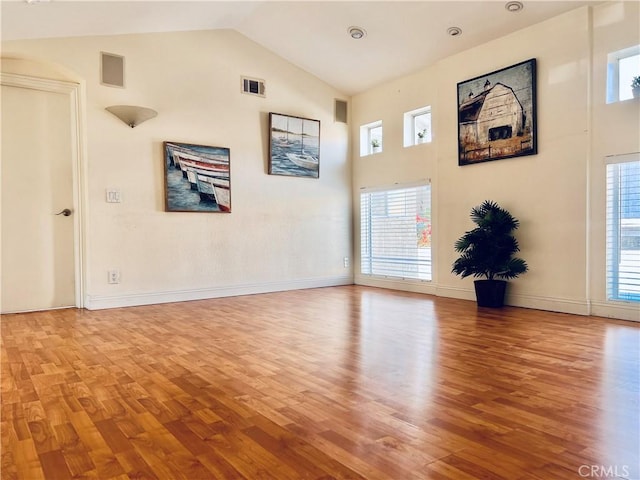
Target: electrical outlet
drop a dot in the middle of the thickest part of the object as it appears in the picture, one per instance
(113, 276)
(345, 262)
(113, 195)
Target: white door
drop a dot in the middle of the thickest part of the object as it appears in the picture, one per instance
(38, 263)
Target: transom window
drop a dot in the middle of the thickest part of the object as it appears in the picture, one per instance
(417, 126)
(371, 138)
(622, 67)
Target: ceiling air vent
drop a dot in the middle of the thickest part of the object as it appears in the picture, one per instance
(253, 86)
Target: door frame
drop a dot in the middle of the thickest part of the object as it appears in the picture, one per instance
(72, 91)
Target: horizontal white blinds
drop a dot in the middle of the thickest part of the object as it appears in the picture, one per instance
(396, 232)
(623, 230)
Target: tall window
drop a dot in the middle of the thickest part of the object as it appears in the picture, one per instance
(623, 228)
(396, 232)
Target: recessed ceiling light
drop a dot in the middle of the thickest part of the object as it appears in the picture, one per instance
(454, 31)
(357, 33)
(514, 6)
(34, 2)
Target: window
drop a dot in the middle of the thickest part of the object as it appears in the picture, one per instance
(622, 66)
(623, 227)
(396, 232)
(417, 126)
(371, 138)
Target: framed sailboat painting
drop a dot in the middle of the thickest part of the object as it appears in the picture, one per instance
(294, 146)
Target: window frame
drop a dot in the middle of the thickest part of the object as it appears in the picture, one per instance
(366, 137)
(613, 73)
(410, 130)
(388, 230)
(615, 226)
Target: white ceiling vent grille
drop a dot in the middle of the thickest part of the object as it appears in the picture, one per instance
(111, 69)
(340, 111)
(253, 86)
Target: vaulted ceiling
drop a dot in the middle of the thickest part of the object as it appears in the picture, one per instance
(401, 37)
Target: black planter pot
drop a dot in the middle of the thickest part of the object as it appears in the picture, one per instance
(490, 293)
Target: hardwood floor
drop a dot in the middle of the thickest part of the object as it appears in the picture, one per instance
(342, 382)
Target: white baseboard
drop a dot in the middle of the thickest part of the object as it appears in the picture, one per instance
(99, 302)
(618, 310)
(456, 292)
(551, 304)
(621, 310)
(405, 285)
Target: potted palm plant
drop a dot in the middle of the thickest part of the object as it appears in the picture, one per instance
(635, 86)
(488, 251)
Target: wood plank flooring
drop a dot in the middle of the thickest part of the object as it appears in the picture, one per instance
(332, 383)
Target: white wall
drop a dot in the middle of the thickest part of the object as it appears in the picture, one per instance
(549, 192)
(290, 233)
(283, 232)
(616, 131)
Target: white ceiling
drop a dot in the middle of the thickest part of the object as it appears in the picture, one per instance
(402, 37)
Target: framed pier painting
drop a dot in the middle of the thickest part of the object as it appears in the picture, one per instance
(197, 178)
(294, 146)
(497, 115)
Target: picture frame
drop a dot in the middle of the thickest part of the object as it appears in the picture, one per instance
(294, 146)
(197, 178)
(497, 115)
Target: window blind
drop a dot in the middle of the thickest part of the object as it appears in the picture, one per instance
(396, 232)
(623, 228)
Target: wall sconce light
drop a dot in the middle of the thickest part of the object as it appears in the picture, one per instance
(132, 115)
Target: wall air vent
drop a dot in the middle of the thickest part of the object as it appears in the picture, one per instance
(111, 69)
(253, 86)
(340, 111)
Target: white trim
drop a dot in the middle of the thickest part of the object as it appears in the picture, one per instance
(551, 304)
(396, 186)
(98, 302)
(620, 310)
(415, 286)
(35, 83)
(38, 310)
(564, 305)
(622, 158)
(456, 292)
(70, 89)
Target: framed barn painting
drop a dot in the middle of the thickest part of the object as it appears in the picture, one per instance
(197, 178)
(497, 115)
(294, 146)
